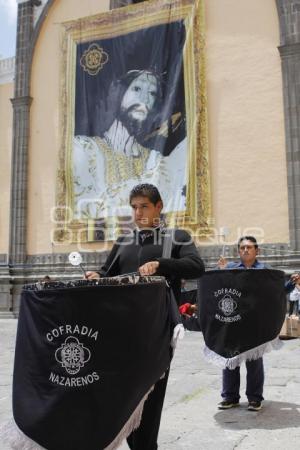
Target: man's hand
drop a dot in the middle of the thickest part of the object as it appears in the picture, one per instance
(149, 268)
(192, 309)
(295, 278)
(222, 263)
(92, 276)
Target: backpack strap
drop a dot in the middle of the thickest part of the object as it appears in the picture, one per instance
(117, 255)
(168, 241)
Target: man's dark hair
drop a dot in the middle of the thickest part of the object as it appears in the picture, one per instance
(248, 238)
(125, 81)
(145, 190)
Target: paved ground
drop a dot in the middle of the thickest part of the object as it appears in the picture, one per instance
(191, 420)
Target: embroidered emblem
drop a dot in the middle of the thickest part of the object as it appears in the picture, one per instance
(72, 355)
(93, 59)
(227, 305)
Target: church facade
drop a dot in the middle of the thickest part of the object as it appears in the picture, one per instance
(249, 122)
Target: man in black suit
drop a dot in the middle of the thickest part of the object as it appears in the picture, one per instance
(142, 251)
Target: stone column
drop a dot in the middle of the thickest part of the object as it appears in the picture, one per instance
(19, 170)
(289, 21)
(21, 108)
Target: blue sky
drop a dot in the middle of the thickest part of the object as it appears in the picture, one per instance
(8, 18)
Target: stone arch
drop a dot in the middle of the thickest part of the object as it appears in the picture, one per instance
(289, 22)
(27, 36)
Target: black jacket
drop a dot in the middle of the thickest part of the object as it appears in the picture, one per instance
(132, 251)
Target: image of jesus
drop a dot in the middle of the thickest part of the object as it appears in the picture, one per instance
(105, 168)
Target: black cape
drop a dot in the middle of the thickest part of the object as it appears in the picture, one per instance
(85, 358)
(241, 312)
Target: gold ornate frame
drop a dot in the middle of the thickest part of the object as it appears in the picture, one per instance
(115, 23)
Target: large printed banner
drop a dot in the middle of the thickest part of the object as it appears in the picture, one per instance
(133, 111)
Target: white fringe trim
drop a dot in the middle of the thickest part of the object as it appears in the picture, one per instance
(14, 439)
(254, 353)
(132, 423)
(178, 334)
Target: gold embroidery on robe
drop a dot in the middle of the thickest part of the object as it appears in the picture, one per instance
(120, 167)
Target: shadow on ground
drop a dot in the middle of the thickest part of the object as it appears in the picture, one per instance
(273, 416)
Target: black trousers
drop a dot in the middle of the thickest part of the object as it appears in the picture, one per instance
(255, 382)
(145, 437)
(293, 307)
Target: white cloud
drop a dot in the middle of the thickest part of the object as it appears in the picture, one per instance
(10, 9)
